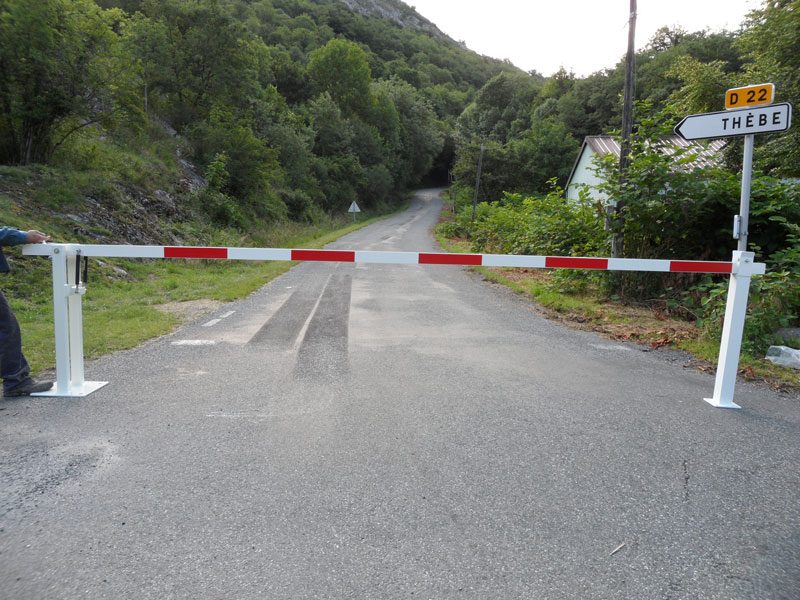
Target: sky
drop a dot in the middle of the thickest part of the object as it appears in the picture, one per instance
(583, 36)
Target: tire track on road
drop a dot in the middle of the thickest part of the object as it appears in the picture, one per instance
(323, 354)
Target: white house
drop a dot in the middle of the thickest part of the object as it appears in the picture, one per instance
(583, 173)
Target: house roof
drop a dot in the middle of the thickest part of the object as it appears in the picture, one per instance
(708, 154)
(603, 144)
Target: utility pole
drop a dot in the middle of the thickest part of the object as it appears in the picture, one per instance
(627, 128)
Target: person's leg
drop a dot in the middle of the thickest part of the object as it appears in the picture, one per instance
(14, 369)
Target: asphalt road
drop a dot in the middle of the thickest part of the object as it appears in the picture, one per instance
(397, 431)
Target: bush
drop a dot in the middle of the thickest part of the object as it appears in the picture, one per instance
(540, 225)
(251, 166)
(774, 300)
(217, 205)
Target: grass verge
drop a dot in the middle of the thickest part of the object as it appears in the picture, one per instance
(126, 299)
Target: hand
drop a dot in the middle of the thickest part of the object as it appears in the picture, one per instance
(35, 237)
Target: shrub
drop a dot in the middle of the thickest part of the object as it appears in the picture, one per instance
(543, 225)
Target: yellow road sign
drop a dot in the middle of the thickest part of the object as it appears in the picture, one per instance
(752, 95)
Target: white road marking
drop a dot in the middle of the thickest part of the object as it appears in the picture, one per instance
(186, 373)
(213, 322)
(194, 343)
(257, 416)
(611, 347)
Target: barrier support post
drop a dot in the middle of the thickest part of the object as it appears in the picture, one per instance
(68, 325)
(744, 267)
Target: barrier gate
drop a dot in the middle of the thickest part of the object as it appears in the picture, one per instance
(69, 286)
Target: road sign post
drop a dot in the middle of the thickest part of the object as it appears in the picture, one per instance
(749, 112)
(354, 209)
(743, 219)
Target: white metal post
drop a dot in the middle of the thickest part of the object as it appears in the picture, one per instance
(732, 329)
(68, 325)
(61, 320)
(744, 199)
(75, 318)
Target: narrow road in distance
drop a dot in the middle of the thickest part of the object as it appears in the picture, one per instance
(397, 431)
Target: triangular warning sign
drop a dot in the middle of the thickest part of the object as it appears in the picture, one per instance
(354, 208)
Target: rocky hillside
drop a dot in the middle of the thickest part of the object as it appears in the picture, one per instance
(397, 12)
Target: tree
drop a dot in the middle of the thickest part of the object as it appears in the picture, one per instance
(558, 84)
(290, 77)
(591, 106)
(62, 68)
(202, 56)
(146, 39)
(340, 68)
(252, 168)
(501, 109)
(547, 151)
(771, 40)
(419, 139)
(332, 133)
(704, 85)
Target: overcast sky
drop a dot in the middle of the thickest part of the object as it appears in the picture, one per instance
(582, 35)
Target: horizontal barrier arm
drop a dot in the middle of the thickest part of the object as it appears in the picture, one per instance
(69, 326)
(405, 258)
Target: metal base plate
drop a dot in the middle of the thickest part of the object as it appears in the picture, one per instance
(717, 404)
(74, 392)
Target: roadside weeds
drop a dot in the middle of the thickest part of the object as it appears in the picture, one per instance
(647, 325)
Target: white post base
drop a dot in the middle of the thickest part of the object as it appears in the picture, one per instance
(73, 391)
(733, 328)
(717, 403)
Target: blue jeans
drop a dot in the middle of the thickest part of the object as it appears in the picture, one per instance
(14, 368)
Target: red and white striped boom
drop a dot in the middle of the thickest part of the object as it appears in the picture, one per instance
(401, 258)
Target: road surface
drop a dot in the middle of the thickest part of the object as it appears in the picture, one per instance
(397, 431)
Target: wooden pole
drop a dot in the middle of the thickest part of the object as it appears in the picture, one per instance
(627, 127)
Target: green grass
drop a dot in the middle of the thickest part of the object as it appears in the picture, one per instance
(120, 314)
(543, 294)
(754, 367)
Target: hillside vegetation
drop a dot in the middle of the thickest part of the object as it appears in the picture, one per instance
(290, 109)
(259, 122)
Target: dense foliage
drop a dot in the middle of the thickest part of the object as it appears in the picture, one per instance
(304, 106)
(532, 126)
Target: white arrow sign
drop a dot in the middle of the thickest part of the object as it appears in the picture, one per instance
(732, 123)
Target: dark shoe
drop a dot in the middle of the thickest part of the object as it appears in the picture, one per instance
(28, 387)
